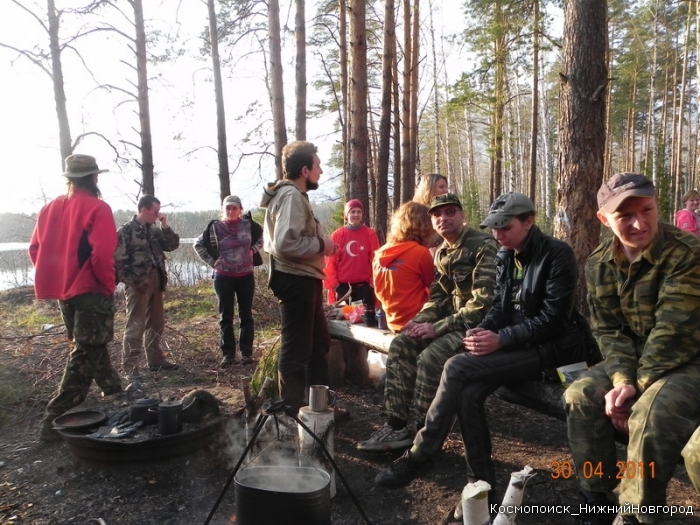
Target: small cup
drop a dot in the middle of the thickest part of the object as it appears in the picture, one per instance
(321, 398)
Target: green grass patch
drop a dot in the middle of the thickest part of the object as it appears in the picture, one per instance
(15, 389)
(198, 302)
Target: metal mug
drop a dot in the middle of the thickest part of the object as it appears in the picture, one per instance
(321, 398)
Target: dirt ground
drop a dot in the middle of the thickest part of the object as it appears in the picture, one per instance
(44, 484)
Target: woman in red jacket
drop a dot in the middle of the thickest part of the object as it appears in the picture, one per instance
(351, 264)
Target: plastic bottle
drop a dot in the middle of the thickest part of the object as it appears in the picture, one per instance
(381, 319)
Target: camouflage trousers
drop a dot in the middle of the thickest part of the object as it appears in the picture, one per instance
(413, 371)
(662, 421)
(89, 320)
(691, 456)
(145, 322)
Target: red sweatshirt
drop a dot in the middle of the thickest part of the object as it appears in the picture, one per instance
(352, 262)
(403, 274)
(72, 247)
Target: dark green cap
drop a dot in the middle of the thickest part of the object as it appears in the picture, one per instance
(505, 208)
(443, 200)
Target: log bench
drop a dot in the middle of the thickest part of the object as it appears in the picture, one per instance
(348, 361)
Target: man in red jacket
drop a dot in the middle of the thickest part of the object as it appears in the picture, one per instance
(72, 249)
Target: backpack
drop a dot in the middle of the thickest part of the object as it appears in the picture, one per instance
(256, 232)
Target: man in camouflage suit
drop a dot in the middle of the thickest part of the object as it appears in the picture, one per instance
(72, 249)
(140, 261)
(460, 296)
(644, 298)
(691, 456)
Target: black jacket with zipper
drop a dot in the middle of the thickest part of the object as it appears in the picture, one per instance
(550, 321)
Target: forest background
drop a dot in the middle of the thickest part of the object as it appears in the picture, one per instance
(537, 96)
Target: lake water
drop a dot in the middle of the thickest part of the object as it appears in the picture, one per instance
(184, 267)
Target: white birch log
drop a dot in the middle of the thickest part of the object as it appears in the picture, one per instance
(475, 503)
(514, 496)
(322, 425)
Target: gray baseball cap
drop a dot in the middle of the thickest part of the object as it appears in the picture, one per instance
(505, 208)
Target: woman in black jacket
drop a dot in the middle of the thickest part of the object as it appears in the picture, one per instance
(532, 327)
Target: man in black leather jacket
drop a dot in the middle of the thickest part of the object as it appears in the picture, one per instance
(532, 327)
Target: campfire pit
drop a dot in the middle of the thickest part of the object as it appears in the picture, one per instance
(146, 445)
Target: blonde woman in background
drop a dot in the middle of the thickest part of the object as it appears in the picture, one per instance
(429, 186)
(688, 219)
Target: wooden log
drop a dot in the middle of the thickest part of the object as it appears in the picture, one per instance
(374, 338)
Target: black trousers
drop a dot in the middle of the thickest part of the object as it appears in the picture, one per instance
(305, 336)
(230, 290)
(465, 384)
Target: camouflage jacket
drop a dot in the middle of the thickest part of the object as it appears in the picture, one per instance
(464, 285)
(141, 250)
(644, 314)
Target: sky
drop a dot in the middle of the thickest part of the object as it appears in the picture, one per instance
(182, 111)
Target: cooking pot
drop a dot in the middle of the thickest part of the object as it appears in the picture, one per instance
(169, 417)
(282, 496)
(139, 410)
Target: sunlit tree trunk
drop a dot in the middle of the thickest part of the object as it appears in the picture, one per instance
(300, 89)
(388, 56)
(278, 120)
(415, 88)
(343, 39)
(396, 123)
(496, 184)
(358, 106)
(581, 128)
(64, 137)
(222, 149)
(436, 94)
(532, 189)
(143, 103)
(407, 168)
(682, 182)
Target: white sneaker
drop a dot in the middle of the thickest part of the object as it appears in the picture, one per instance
(386, 438)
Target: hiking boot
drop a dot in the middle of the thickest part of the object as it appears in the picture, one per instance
(402, 471)
(386, 438)
(340, 415)
(227, 362)
(164, 366)
(47, 433)
(247, 360)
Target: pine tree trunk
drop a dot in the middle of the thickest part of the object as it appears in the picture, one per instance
(144, 110)
(222, 149)
(358, 106)
(300, 88)
(64, 137)
(278, 120)
(582, 129)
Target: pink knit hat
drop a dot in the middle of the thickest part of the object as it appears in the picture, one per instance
(352, 203)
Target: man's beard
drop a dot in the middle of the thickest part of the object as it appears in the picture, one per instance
(311, 185)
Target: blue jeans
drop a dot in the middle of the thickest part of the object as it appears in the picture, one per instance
(305, 336)
(228, 290)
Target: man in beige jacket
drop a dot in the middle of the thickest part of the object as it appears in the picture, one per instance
(296, 244)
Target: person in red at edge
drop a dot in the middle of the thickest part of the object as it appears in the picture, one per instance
(688, 219)
(72, 249)
(351, 264)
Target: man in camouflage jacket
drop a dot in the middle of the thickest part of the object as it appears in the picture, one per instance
(140, 264)
(460, 296)
(644, 299)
